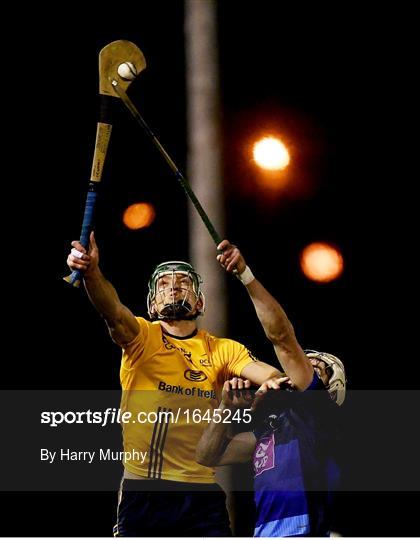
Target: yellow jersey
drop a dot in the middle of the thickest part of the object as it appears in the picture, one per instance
(164, 380)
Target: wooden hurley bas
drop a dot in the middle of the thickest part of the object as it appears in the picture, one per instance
(120, 62)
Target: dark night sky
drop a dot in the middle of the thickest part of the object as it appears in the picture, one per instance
(337, 82)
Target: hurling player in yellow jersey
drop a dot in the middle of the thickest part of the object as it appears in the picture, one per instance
(168, 367)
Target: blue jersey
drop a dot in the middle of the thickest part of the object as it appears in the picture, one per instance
(292, 461)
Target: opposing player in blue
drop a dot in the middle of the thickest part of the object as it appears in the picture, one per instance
(291, 445)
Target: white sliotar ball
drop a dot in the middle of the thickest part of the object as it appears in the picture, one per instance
(127, 71)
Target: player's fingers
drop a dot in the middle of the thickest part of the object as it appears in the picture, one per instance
(226, 386)
(83, 257)
(76, 266)
(234, 383)
(262, 389)
(227, 394)
(77, 260)
(233, 261)
(246, 393)
(223, 245)
(239, 388)
(77, 263)
(221, 258)
(280, 380)
(77, 245)
(92, 241)
(78, 254)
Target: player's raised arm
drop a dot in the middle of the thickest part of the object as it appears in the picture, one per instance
(273, 318)
(122, 324)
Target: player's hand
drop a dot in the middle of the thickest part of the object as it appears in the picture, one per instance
(270, 384)
(81, 259)
(231, 259)
(236, 394)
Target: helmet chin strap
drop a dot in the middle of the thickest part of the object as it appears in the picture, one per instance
(181, 311)
(179, 318)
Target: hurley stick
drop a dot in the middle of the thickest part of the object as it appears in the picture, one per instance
(119, 61)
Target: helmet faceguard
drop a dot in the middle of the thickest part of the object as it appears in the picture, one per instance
(175, 299)
(337, 376)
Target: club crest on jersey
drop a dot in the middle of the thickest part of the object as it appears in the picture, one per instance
(195, 375)
(263, 459)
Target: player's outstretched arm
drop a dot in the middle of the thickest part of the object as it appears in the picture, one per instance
(122, 324)
(273, 318)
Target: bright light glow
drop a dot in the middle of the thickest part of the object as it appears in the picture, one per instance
(271, 154)
(321, 262)
(139, 215)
